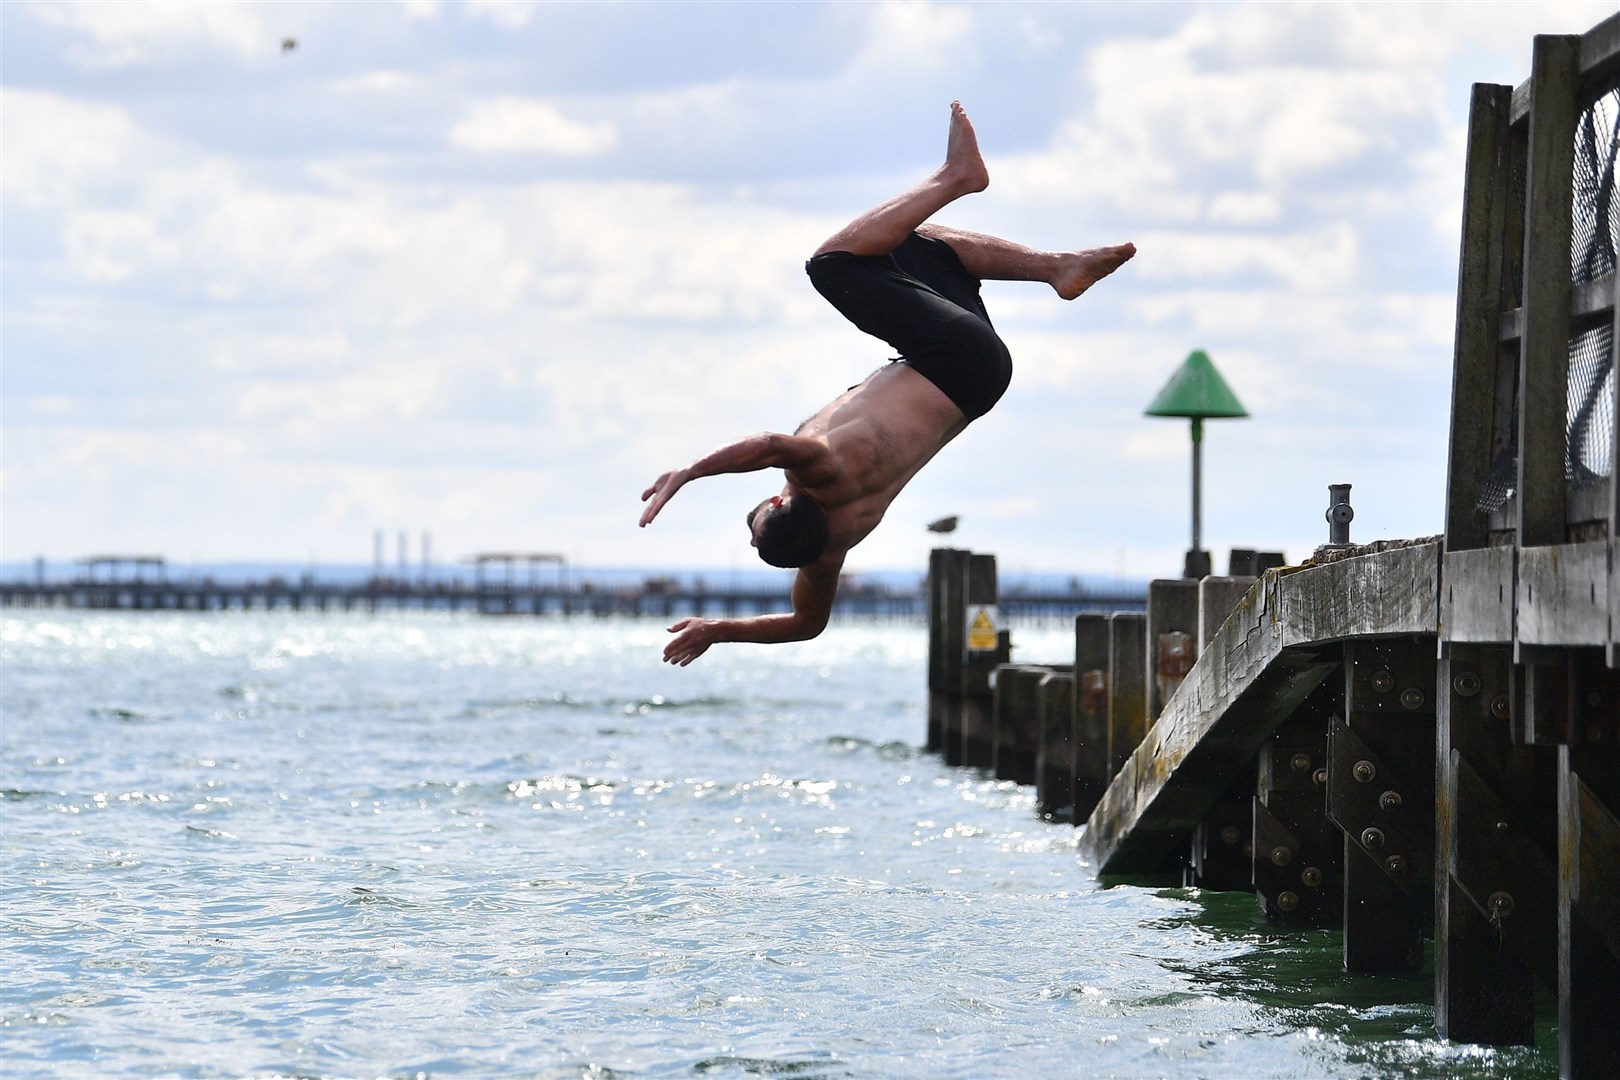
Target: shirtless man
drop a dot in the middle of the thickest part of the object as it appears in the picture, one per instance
(916, 286)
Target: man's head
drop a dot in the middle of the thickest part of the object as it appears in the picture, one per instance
(789, 530)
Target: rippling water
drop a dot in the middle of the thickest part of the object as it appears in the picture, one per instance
(266, 844)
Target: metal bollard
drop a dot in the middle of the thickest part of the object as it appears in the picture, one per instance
(1339, 515)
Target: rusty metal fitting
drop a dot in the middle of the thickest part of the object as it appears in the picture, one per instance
(1281, 856)
(1230, 835)
(1465, 683)
(1412, 698)
(1372, 838)
(1383, 680)
(1311, 876)
(1389, 800)
(1395, 866)
(1300, 762)
(1364, 771)
(1287, 901)
(1500, 708)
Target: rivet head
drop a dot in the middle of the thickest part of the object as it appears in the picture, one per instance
(1500, 905)
(1287, 901)
(1319, 777)
(1465, 683)
(1499, 707)
(1281, 856)
(1230, 835)
(1311, 876)
(1502, 826)
(1395, 866)
(1389, 800)
(1412, 699)
(1383, 681)
(1364, 771)
(1372, 838)
(1300, 762)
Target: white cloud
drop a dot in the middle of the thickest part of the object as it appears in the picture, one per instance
(125, 33)
(510, 14)
(57, 149)
(517, 125)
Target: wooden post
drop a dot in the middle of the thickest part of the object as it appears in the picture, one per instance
(1054, 754)
(1380, 785)
(1172, 638)
(1217, 596)
(1589, 878)
(947, 581)
(1092, 768)
(1486, 206)
(1221, 854)
(1495, 918)
(976, 665)
(1127, 686)
(1297, 851)
(1544, 350)
(1015, 721)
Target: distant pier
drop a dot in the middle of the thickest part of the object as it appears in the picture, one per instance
(141, 583)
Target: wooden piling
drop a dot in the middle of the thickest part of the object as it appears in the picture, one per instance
(1055, 751)
(1093, 767)
(1127, 686)
(1172, 638)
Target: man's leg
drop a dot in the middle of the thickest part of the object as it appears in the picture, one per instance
(990, 258)
(885, 227)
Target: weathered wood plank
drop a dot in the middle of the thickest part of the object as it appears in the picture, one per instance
(1476, 596)
(1217, 596)
(1544, 354)
(1563, 595)
(1486, 195)
(1271, 653)
(1172, 635)
(1127, 686)
(1092, 769)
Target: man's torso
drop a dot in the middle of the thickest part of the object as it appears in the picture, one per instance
(879, 434)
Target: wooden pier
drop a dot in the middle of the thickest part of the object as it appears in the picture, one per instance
(1408, 740)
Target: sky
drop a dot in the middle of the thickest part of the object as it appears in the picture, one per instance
(483, 270)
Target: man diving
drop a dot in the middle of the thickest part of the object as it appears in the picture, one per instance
(916, 286)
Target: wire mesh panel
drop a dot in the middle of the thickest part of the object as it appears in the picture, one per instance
(1595, 228)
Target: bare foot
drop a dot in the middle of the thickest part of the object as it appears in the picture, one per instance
(964, 169)
(1083, 269)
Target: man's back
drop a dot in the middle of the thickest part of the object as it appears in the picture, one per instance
(878, 435)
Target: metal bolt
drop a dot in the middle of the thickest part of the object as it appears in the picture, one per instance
(1311, 876)
(1465, 683)
(1501, 905)
(1412, 698)
(1320, 777)
(1499, 707)
(1503, 826)
(1383, 680)
(1372, 838)
(1389, 800)
(1364, 771)
(1300, 762)
(1281, 856)
(1287, 901)
(1395, 866)
(1230, 835)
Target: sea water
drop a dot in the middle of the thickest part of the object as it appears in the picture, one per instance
(270, 844)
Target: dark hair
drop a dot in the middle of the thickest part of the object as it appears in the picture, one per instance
(795, 532)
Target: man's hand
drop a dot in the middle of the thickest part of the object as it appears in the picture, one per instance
(692, 639)
(661, 491)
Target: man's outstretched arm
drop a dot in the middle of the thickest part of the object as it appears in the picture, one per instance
(813, 591)
(767, 450)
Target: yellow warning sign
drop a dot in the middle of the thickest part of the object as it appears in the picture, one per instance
(981, 628)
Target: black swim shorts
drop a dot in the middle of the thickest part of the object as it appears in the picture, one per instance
(922, 301)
